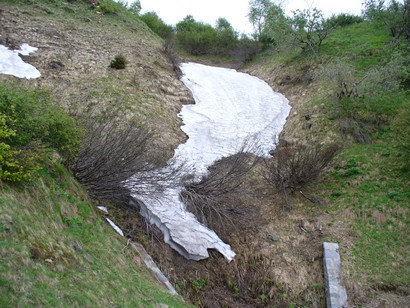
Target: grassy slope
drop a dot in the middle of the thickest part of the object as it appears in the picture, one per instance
(57, 251)
(55, 248)
(368, 180)
(366, 191)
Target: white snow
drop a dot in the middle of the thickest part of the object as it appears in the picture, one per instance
(12, 64)
(114, 226)
(230, 108)
(103, 208)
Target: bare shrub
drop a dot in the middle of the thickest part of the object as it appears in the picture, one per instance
(294, 166)
(173, 58)
(203, 198)
(245, 50)
(357, 129)
(362, 103)
(112, 152)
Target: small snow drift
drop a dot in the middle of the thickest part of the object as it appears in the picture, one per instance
(12, 64)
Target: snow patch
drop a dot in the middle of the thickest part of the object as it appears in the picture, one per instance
(230, 109)
(114, 226)
(103, 208)
(12, 64)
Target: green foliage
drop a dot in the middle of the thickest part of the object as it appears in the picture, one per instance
(199, 38)
(271, 25)
(364, 103)
(33, 117)
(343, 20)
(119, 62)
(157, 25)
(226, 37)
(246, 49)
(401, 126)
(395, 15)
(15, 166)
(258, 11)
(29, 123)
(195, 37)
(198, 284)
(110, 7)
(310, 28)
(135, 7)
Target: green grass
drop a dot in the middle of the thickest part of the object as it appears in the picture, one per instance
(368, 182)
(49, 219)
(368, 187)
(363, 45)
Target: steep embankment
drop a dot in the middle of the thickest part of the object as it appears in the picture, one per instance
(55, 247)
(76, 45)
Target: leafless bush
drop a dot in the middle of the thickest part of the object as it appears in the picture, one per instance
(294, 166)
(357, 129)
(203, 198)
(245, 50)
(173, 58)
(112, 153)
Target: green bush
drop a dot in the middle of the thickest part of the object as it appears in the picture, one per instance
(157, 25)
(15, 165)
(119, 62)
(110, 7)
(343, 20)
(197, 38)
(29, 125)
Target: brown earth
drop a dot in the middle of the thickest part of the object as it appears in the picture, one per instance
(279, 253)
(75, 48)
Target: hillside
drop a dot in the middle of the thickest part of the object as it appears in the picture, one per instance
(57, 248)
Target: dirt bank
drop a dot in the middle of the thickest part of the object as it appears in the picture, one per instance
(75, 48)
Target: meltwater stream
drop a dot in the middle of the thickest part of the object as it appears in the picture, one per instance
(230, 108)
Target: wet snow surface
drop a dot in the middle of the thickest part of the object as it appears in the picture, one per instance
(230, 108)
(12, 64)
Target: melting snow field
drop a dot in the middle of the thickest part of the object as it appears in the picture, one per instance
(12, 64)
(230, 108)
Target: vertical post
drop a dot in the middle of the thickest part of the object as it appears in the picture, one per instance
(336, 296)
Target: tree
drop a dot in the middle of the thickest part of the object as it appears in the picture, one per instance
(195, 37)
(157, 25)
(227, 37)
(310, 28)
(135, 7)
(395, 15)
(269, 21)
(257, 15)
